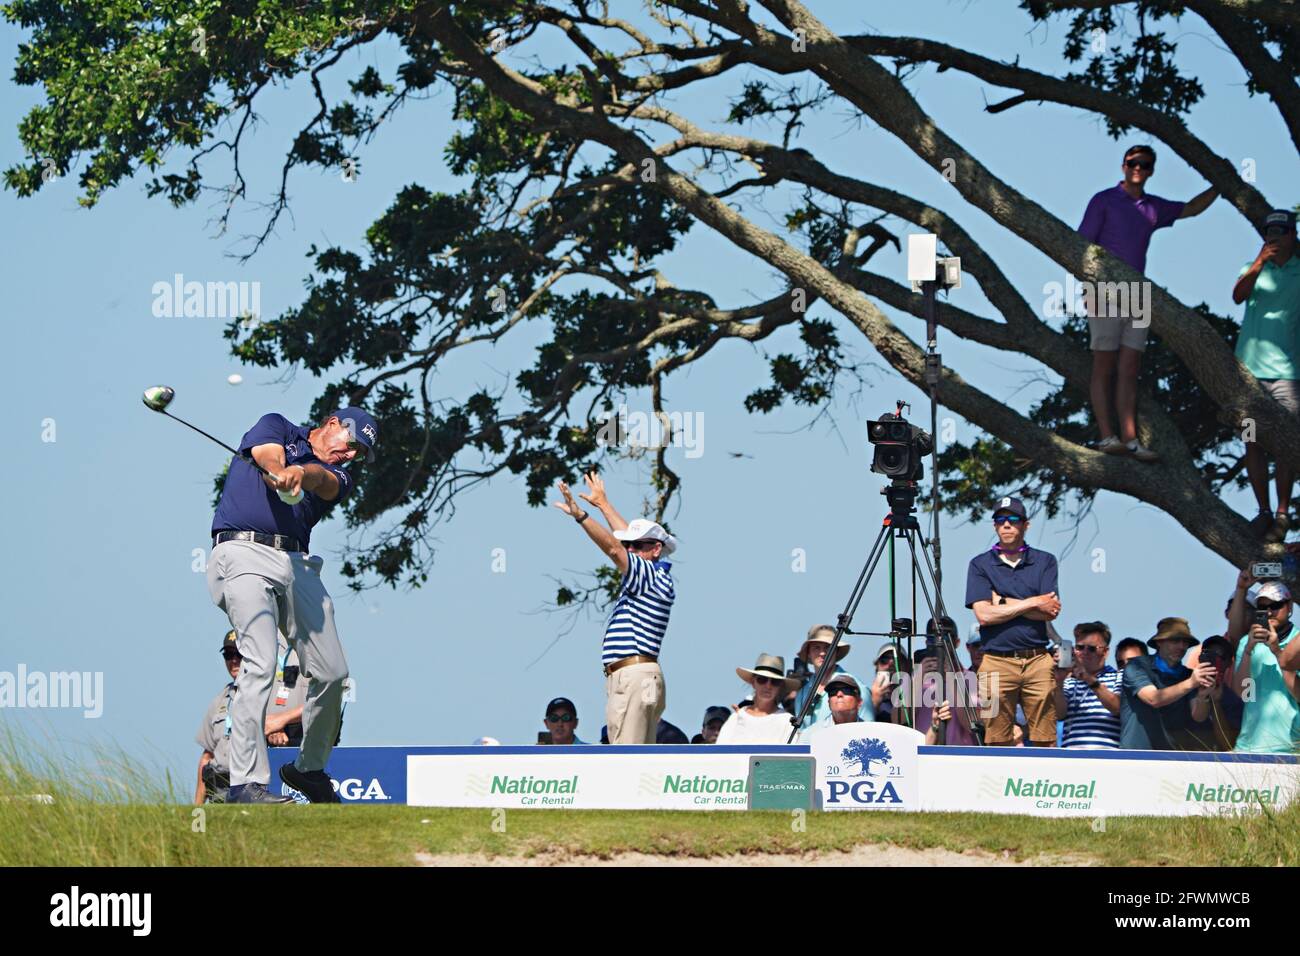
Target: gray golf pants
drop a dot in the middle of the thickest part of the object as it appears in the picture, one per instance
(263, 590)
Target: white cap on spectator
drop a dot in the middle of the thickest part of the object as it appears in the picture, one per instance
(1269, 591)
(643, 529)
(486, 742)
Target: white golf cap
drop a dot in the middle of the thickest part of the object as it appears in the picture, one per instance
(1269, 591)
(643, 529)
(485, 742)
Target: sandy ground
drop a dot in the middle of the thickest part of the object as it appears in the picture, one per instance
(874, 855)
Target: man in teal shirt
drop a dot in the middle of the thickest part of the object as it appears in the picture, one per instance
(1270, 722)
(1269, 348)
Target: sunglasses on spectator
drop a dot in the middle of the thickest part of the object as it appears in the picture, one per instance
(1267, 606)
(834, 690)
(559, 718)
(759, 681)
(1140, 164)
(1088, 648)
(232, 655)
(1007, 519)
(640, 545)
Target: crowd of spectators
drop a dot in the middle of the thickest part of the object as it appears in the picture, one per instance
(1172, 691)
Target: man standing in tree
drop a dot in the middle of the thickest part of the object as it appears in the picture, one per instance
(1122, 220)
(1269, 347)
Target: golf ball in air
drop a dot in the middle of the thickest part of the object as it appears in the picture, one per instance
(234, 379)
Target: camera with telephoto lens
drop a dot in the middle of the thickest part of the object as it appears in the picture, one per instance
(900, 446)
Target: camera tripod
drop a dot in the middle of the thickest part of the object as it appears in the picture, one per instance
(900, 522)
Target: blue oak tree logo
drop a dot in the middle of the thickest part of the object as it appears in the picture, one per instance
(864, 752)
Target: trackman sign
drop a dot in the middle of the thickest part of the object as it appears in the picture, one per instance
(866, 766)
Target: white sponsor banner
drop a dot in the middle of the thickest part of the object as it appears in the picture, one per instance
(867, 766)
(1108, 784)
(1033, 782)
(705, 778)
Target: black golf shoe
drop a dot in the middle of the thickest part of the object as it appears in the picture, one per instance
(315, 785)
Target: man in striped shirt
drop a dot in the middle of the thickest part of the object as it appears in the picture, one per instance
(1088, 693)
(634, 683)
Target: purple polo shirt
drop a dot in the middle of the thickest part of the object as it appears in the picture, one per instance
(1123, 225)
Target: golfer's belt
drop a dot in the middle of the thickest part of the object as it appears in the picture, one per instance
(281, 542)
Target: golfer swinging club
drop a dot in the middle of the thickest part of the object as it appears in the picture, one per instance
(261, 574)
(634, 683)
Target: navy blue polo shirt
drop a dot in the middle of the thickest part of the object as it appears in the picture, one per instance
(1035, 574)
(247, 504)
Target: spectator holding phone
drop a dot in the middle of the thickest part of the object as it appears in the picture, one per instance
(1155, 708)
(1269, 347)
(1264, 677)
(1241, 610)
(1216, 710)
(889, 673)
(927, 718)
(1088, 692)
(1012, 590)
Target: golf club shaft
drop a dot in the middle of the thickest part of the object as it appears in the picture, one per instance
(247, 458)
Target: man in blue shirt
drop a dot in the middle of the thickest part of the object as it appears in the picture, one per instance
(262, 575)
(1012, 590)
(1155, 706)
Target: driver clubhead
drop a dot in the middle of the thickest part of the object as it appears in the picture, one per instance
(158, 397)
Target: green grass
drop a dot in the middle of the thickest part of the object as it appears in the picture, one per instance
(70, 834)
(94, 820)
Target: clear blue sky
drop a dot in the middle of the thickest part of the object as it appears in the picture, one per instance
(102, 522)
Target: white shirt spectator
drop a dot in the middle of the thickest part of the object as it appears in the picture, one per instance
(743, 727)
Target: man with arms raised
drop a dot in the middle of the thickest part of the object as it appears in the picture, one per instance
(634, 683)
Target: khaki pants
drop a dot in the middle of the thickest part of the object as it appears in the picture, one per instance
(1028, 681)
(635, 698)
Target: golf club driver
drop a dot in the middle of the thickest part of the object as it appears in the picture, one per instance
(158, 397)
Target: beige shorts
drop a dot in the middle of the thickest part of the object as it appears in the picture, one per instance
(1109, 333)
(1285, 391)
